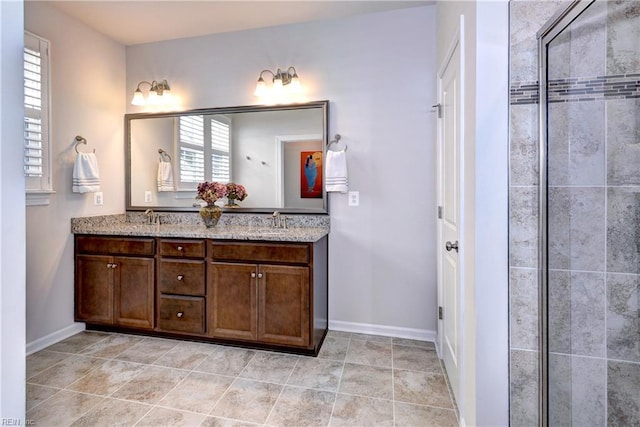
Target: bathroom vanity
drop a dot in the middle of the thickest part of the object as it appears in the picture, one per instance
(251, 285)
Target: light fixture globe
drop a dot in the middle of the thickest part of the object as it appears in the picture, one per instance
(261, 88)
(138, 98)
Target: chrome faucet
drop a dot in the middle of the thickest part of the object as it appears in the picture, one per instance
(276, 219)
(151, 216)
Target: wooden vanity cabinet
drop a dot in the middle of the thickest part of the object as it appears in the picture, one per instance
(261, 291)
(114, 281)
(181, 286)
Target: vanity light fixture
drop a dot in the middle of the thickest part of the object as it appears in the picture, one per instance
(280, 79)
(159, 93)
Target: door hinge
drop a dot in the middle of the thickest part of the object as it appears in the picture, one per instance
(440, 313)
(437, 108)
(440, 212)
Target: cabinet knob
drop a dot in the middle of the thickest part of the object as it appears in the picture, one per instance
(180, 276)
(109, 265)
(180, 248)
(180, 314)
(260, 275)
(114, 265)
(253, 275)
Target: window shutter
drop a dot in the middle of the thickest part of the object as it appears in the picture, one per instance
(191, 135)
(36, 144)
(220, 140)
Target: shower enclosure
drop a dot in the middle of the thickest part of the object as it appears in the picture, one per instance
(590, 215)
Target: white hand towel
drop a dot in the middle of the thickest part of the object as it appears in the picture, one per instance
(86, 177)
(165, 177)
(336, 177)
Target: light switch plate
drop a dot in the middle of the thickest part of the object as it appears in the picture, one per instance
(354, 198)
(97, 198)
(147, 197)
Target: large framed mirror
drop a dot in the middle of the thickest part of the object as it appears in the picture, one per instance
(275, 152)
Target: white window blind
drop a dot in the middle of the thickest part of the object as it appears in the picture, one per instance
(204, 150)
(37, 167)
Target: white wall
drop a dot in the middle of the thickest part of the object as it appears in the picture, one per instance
(378, 72)
(484, 399)
(12, 224)
(87, 98)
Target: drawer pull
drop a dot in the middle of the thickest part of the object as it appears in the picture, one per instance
(180, 248)
(253, 275)
(180, 314)
(180, 277)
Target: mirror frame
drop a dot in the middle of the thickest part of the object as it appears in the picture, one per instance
(323, 105)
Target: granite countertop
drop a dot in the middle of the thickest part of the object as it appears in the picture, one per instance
(253, 227)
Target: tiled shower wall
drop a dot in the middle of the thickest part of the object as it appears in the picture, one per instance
(594, 217)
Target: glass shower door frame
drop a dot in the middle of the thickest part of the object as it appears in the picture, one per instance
(554, 26)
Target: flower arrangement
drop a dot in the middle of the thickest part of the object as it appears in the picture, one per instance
(211, 191)
(236, 191)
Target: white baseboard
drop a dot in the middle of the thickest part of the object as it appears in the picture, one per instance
(388, 331)
(54, 337)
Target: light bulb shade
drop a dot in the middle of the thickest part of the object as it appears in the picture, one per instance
(153, 98)
(138, 98)
(277, 85)
(261, 88)
(295, 84)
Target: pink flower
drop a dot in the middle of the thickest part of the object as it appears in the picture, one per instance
(211, 191)
(236, 191)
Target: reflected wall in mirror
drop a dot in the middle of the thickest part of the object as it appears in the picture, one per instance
(276, 152)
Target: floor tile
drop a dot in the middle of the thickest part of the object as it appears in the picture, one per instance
(367, 337)
(270, 367)
(112, 412)
(186, 355)
(78, 342)
(414, 343)
(198, 392)
(248, 400)
(110, 346)
(373, 381)
(317, 373)
(42, 360)
(222, 422)
(369, 353)
(350, 411)
(37, 394)
(338, 334)
(107, 378)
(407, 414)
(66, 372)
(150, 385)
(416, 359)
(63, 408)
(226, 361)
(302, 407)
(170, 417)
(334, 348)
(147, 351)
(423, 388)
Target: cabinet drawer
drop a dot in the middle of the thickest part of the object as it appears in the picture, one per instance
(182, 248)
(184, 277)
(182, 314)
(115, 245)
(260, 252)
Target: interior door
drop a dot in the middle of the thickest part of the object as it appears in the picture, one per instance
(449, 227)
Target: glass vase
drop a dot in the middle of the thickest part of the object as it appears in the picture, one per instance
(210, 215)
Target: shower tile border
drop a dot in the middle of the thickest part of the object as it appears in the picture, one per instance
(614, 86)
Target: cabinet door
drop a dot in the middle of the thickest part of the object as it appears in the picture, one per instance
(94, 288)
(283, 310)
(233, 294)
(134, 292)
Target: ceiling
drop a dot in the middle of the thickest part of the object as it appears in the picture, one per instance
(144, 21)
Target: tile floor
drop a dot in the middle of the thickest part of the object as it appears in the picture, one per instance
(102, 379)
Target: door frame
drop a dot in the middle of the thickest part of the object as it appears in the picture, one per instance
(457, 43)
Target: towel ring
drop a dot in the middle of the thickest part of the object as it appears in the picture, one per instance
(81, 140)
(336, 140)
(163, 153)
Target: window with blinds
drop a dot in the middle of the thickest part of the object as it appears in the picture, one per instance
(204, 145)
(36, 114)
